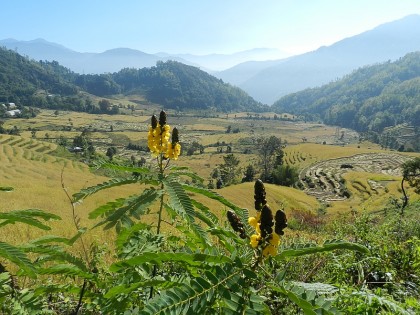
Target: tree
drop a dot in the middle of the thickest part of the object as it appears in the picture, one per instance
(194, 146)
(270, 155)
(110, 152)
(285, 175)
(250, 173)
(229, 169)
(104, 106)
(411, 173)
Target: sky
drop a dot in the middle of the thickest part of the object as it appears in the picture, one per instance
(197, 26)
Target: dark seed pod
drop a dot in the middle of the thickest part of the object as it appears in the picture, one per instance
(266, 222)
(154, 122)
(259, 195)
(162, 118)
(175, 136)
(236, 223)
(281, 222)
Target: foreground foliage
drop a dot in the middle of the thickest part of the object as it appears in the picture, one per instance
(189, 260)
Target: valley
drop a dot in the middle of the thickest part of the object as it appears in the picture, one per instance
(325, 160)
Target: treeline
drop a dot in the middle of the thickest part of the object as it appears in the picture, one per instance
(173, 85)
(368, 100)
(21, 78)
(170, 84)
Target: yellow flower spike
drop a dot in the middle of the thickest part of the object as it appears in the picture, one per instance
(254, 240)
(269, 250)
(252, 221)
(258, 229)
(274, 239)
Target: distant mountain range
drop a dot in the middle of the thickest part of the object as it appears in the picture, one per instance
(114, 60)
(268, 81)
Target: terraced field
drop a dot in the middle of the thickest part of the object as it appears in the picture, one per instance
(33, 178)
(325, 179)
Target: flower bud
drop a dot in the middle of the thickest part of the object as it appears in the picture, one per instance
(236, 223)
(175, 136)
(154, 122)
(162, 118)
(259, 195)
(266, 224)
(281, 222)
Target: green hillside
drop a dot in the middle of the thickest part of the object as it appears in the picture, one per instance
(368, 100)
(176, 85)
(21, 78)
(170, 84)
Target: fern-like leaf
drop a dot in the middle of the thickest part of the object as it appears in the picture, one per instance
(127, 233)
(179, 200)
(121, 168)
(30, 216)
(213, 195)
(94, 189)
(158, 258)
(54, 253)
(385, 303)
(65, 270)
(177, 172)
(204, 214)
(18, 257)
(47, 239)
(123, 210)
(307, 307)
(306, 249)
(190, 297)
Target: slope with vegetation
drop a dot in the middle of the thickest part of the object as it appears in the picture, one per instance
(368, 100)
(170, 84)
(173, 251)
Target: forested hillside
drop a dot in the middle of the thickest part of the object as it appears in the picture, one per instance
(170, 84)
(370, 99)
(21, 78)
(176, 85)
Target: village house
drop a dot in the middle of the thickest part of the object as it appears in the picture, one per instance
(13, 113)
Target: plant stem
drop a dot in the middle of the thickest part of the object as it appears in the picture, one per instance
(161, 170)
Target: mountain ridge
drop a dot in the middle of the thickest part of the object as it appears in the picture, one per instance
(386, 41)
(122, 57)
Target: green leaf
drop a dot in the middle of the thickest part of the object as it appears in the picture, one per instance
(307, 307)
(179, 200)
(65, 270)
(126, 233)
(158, 258)
(306, 249)
(212, 195)
(16, 256)
(133, 206)
(94, 189)
(205, 214)
(30, 216)
(177, 172)
(128, 288)
(384, 302)
(122, 168)
(57, 239)
(194, 296)
(54, 253)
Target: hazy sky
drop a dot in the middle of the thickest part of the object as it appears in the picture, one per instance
(196, 26)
